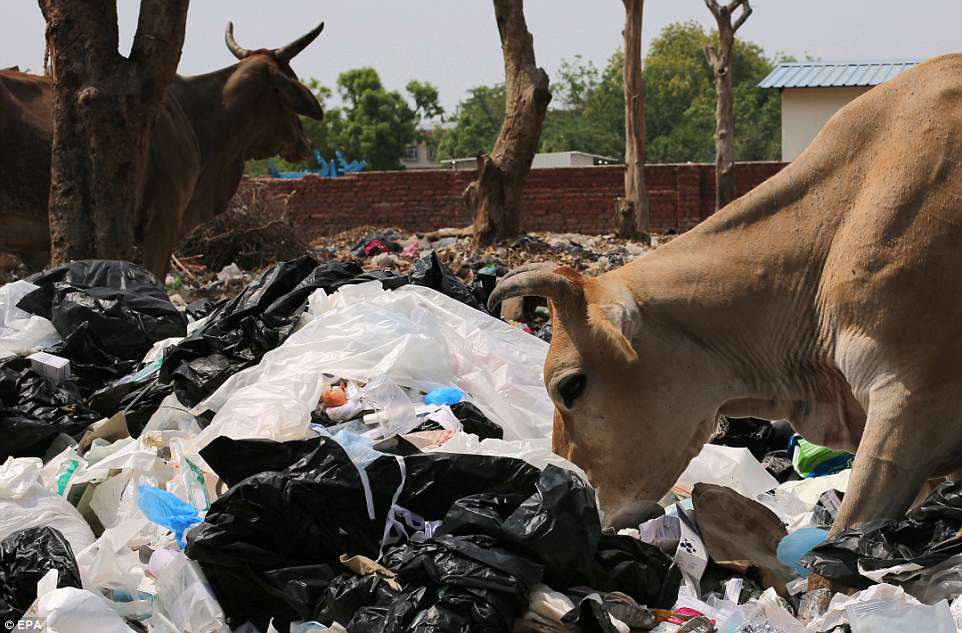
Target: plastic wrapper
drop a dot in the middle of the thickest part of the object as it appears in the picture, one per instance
(929, 534)
(34, 411)
(25, 503)
(412, 336)
(883, 616)
(25, 557)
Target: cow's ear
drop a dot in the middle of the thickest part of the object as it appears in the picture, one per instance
(296, 96)
(616, 322)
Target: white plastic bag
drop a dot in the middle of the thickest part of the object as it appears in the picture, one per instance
(414, 336)
(21, 332)
(26, 503)
(72, 610)
(736, 468)
(183, 594)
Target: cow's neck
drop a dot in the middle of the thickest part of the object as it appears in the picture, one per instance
(742, 287)
(222, 128)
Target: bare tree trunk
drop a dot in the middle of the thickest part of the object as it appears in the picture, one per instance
(105, 106)
(720, 61)
(633, 212)
(495, 197)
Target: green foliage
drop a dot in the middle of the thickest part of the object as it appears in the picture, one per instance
(588, 106)
(477, 121)
(374, 124)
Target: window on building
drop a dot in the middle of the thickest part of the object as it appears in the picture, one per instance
(432, 153)
(411, 152)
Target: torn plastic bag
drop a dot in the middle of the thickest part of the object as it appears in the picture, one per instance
(316, 510)
(34, 411)
(929, 534)
(413, 337)
(590, 616)
(121, 306)
(25, 557)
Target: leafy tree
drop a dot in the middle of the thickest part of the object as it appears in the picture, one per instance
(374, 124)
(477, 121)
(588, 113)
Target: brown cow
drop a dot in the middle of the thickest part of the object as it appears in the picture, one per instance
(208, 127)
(828, 296)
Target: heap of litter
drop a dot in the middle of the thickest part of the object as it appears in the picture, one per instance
(335, 449)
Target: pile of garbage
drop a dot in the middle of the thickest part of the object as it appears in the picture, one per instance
(338, 449)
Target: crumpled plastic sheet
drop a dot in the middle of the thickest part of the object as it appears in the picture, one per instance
(414, 336)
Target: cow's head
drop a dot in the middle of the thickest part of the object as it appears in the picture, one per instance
(265, 82)
(620, 382)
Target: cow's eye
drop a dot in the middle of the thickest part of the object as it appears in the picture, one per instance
(571, 387)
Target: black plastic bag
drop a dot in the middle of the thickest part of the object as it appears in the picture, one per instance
(316, 509)
(124, 307)
(472, 584)
(235, 460)
(348, 592)
(637, 569)
(429, 271)
(559, 526)
(589, 616)
(25, 557)
(927, 535)
(33, 411)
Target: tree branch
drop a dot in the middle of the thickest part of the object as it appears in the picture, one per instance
(711, 56)
(159, 39)
(746, 11)
(713, 7)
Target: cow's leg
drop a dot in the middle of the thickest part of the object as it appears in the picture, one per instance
(157, 248)
(895, 457)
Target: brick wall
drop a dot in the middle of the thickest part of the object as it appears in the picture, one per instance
(577, 199)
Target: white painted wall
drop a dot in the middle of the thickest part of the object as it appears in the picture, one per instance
(806, 110)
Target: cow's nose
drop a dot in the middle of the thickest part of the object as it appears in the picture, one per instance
(633, 515)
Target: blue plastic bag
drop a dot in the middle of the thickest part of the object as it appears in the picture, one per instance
(167, 510)
(444, 395)
(793, 547)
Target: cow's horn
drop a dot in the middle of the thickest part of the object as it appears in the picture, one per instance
(534, 281)
(239, 51)
(287, 53)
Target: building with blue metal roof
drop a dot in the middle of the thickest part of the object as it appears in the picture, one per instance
(815, 90)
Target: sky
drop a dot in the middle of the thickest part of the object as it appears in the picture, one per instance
(454, 43)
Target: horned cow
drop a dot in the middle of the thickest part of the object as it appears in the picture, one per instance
(208, 127)
(827, 296)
